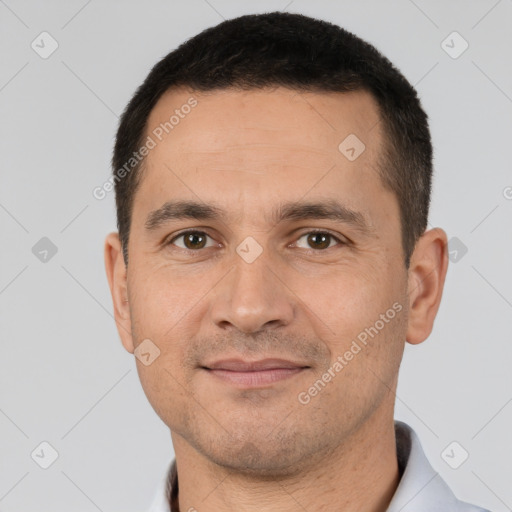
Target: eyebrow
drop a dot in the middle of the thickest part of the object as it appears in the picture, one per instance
(290, 211)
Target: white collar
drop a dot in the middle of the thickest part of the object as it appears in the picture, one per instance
(421, 488)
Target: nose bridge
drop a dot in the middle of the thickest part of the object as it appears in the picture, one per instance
(252, 296)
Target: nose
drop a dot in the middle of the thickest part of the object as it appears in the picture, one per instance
(253, 297)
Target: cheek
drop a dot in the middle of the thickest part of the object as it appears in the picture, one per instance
(165, 390)
(163, 300)
(352, 299)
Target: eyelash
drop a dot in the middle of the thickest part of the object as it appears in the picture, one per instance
(314, 231)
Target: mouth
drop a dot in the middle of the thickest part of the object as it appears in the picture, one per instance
(253, 374)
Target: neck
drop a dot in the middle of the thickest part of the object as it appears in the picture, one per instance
(359, 475)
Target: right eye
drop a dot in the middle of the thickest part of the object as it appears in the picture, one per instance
(192, 240)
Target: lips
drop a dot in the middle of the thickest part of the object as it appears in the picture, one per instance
(253, 374)
(239, 365)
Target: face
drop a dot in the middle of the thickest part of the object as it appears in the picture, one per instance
(291, 252)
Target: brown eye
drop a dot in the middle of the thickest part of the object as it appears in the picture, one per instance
(192, 240)
(319, 240)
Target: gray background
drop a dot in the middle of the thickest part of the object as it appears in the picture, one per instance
(64, 375)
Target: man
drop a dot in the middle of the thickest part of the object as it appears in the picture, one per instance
(273, 179)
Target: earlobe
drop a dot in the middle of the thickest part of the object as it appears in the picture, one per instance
(117, 280)
(427, 273)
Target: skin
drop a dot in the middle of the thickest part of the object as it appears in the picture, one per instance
(261, 449)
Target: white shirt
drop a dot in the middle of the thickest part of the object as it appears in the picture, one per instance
(421, 489)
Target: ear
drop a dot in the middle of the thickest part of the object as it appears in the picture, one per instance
(116, 275)
(427, 272)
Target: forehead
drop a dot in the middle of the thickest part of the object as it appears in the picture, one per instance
(223, 120)
(247, 149)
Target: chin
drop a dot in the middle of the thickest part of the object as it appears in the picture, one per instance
(251, 462)
(260, 458)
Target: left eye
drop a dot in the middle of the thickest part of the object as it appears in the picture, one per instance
(319, 239)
